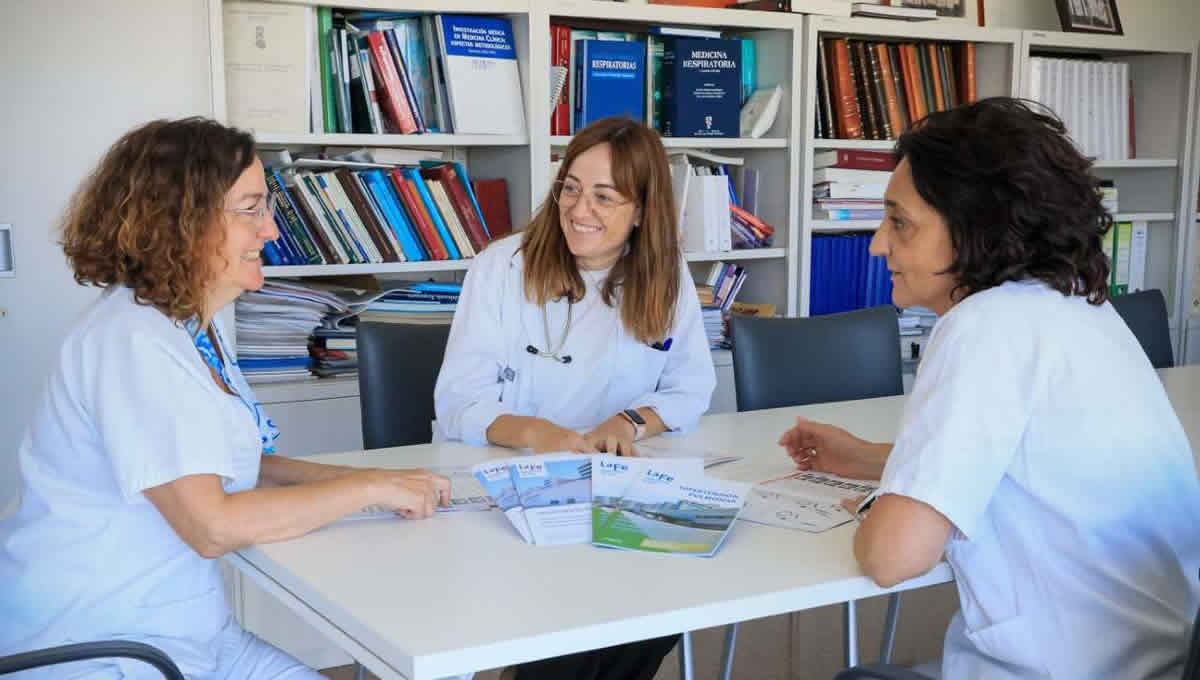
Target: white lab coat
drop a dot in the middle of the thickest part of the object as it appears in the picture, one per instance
(487, 371)
(131, 405)
(1037, 426)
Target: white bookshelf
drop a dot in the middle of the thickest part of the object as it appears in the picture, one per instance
(1157, 185)
(997, 61)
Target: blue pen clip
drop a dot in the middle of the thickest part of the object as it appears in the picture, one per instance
(662, 346)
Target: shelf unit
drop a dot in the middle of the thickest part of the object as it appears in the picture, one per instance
(1158, 184)
(997, 62)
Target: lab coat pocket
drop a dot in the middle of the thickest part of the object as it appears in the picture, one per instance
(1013, 643)
(639, 367)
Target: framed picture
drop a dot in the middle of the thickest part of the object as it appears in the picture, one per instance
(945, 8)
(1089, 16)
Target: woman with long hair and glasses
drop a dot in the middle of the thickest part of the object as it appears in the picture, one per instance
(146, 458)
(1038, 452)
(583, 332)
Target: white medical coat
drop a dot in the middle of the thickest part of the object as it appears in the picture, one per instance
(1037, 426)
(487, 371)
(131, 405)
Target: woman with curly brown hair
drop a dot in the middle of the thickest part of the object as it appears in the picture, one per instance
(145, 459)
(1038, 451)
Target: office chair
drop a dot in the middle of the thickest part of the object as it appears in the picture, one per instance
(398, 366)
(811, 360)
(84, 651)
(1145, 312)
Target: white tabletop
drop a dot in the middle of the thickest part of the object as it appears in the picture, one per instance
(462, 592)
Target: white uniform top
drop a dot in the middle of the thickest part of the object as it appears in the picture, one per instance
(131, 405)
(487, 371)
(1038, 427)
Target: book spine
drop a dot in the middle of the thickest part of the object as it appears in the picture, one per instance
(949, 82)
(374, 113)
(434, 215)
(861, 73)
(865, 160)
(825, 127)
(936, 75)
(970, 87)
(296, 226)
(456, 189)
(324, 26)
(393, 94)
(916, 86)
(309, 185)
(366, 216)
(408, 194)
(395, 43)
(360, 104)
(890, 95)
(877, 94)
(898, 78)
(328, 252)
(845, 100)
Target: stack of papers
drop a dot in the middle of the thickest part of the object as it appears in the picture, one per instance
(654, 505)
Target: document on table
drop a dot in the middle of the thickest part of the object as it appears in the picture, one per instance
(808, 501)
(466, 494)
(662, 450)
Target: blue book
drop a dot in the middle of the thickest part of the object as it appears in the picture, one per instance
(703, 92)
(613, 78)
(393, 211)
(270, 253)
(443, 231)
(437, 287)
(286, 248)
(749, 68)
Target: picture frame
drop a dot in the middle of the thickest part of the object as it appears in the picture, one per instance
(1090, 16)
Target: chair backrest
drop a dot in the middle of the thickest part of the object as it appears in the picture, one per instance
(398, 366)
(809, 360)
(82, 651)
(1145, 312)
(1191, 667)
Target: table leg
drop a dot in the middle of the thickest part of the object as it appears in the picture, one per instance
(889, 629)
(730, 647)
(851, 634)
(685, 657)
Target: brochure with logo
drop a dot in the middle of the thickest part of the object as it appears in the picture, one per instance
(667, 512)
(612, 476)
(808, 501)
(496, 480)
(555, 493)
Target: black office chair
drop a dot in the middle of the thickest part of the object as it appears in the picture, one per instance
(398, 366)
(1145, 312)
(85, 651)
(812, 360)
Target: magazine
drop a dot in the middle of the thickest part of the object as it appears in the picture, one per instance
(808, 501)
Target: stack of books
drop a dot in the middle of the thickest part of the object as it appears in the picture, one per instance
(425, 302)
(718, 300)
(275, 326)
(717, 198)
(849, 185)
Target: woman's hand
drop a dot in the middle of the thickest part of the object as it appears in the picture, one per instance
(413, 494)
(546, 436)
(614, 436)
(828, 448)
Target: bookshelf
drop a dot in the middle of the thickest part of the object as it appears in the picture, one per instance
(997, 65)
(1157, 184)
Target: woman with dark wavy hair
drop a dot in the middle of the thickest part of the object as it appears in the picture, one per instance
(1038, 452)
(145, 458)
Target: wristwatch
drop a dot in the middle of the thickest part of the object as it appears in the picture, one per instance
(638, 422)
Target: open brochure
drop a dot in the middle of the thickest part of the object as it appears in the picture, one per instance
(555, 493)
(808, 501)
(666, 511)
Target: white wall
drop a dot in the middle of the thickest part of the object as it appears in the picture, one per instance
(74, 75)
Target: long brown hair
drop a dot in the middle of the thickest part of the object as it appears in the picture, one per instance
(646, 277)
(147, 216)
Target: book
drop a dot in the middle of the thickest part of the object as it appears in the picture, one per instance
(854, 160)
(759, 112)
(492, 195)
(867, 9)
(267, 84)
(703, 94)
(483, 82)
(833, 174)
(612, 77)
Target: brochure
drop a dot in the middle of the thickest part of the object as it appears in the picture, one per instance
(555, 492)
(466, 494)
(498, 483)
(666, 512)
(613, 475)
(808, 501)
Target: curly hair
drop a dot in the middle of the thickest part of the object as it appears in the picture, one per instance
(1020, 200)
(146, 217)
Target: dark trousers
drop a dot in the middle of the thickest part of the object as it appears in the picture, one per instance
(632, 661)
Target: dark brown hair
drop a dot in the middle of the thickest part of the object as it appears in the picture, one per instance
(146, 217)
(647, 275)
(1020, 200)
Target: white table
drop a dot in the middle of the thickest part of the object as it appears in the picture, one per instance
(461, 592)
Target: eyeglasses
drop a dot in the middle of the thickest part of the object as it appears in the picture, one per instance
(604, 202)
(263, 209)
